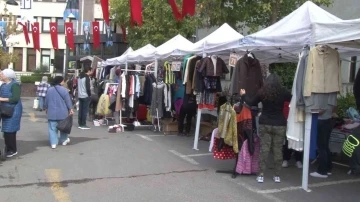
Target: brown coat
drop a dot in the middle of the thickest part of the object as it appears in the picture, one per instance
(246, 75)
(208, 66)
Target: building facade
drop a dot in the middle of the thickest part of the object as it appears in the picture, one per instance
(44, 12)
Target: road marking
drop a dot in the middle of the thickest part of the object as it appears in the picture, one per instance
(54, 176)
(32, 117)
(184, 157)
(193, 155)
(145, 137)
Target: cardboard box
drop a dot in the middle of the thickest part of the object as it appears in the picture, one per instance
(206, 128)
(170, 127)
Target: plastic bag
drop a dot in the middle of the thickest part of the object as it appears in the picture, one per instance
(65, 125)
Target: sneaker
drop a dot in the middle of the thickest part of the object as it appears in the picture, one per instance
(277, 179)
(329, 173)
(80, 127)
(85, 127)
(260, 179)
(285, 164)
(53, 146)
(299, 164)
(67, 141)
(11, 154)
(318, 175)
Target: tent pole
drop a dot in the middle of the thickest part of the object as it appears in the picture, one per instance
(306, 161)
(197, 130)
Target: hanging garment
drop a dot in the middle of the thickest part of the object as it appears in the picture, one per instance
(300, 79)
(191, 68)
(247, 163)
(295, 130)
(169, 75)
(323, 71)
(123, 85)
(157, 101)
(247, 75)
(225, 153)
(118, 98)
(103, 105)
(212, 139)
(137, 86)
(228, 126)
(245, 128)
(209, 69)
(186, 72)
(142, 83)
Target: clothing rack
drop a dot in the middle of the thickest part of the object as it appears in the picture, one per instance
(105, 92)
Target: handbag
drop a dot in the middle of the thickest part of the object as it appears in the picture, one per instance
(6, 110)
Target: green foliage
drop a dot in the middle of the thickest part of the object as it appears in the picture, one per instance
(253, 14)
(41, 69)
(34, 78)
(286, 71)
(344, 102)
(159, 24)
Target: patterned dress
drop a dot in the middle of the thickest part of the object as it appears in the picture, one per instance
(10, 125)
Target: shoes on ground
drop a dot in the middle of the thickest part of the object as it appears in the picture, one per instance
(285, 164)
(67, 141)
(85, 127)
(277, 179)
(10, 154)
(53, 146)
(318, 175)
(260, 179)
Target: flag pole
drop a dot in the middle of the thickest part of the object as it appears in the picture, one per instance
(82, 17)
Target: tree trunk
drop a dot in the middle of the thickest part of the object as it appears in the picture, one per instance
(275, 5)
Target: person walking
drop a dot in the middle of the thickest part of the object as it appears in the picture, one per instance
(84, 95)
(58, 107)
(10, 97)
(41, 91)
(272, 122)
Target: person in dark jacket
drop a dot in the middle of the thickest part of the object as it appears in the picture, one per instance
(188, 111)
(10, 97)
(84, 95)
(272, 122)
(58, 107)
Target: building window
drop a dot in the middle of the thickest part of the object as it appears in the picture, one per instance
(101, 25)
(46, 24)
(59, 61)
(61, 25)
(353, 69)
(18, 64)
(45, 58)
(74, 21)
(31, 59)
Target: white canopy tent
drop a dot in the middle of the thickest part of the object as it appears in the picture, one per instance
(217, 41)
(343, 32)
(307, 25)
(146, 53)
(114, 61)
(177, 46)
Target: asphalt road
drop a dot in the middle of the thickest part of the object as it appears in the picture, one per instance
(141, 166)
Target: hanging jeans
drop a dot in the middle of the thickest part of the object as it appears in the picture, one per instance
(188, 111)
(323, 136)
(10, 142)
(288, 152)
(53, 133)
(84, 104)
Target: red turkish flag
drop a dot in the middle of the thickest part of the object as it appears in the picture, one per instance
(136, 12)
(105, 10)
(26, 32)
(175, 10)
(188, 7)
(54, 35)
(70, 35)
(36, 35)
(96, 34)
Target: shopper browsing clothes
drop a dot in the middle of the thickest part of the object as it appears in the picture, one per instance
(10, 98)
(272, 123)
(41, 91)
(325, 126)
(58, 107)
(187, 111)
(84, 95)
